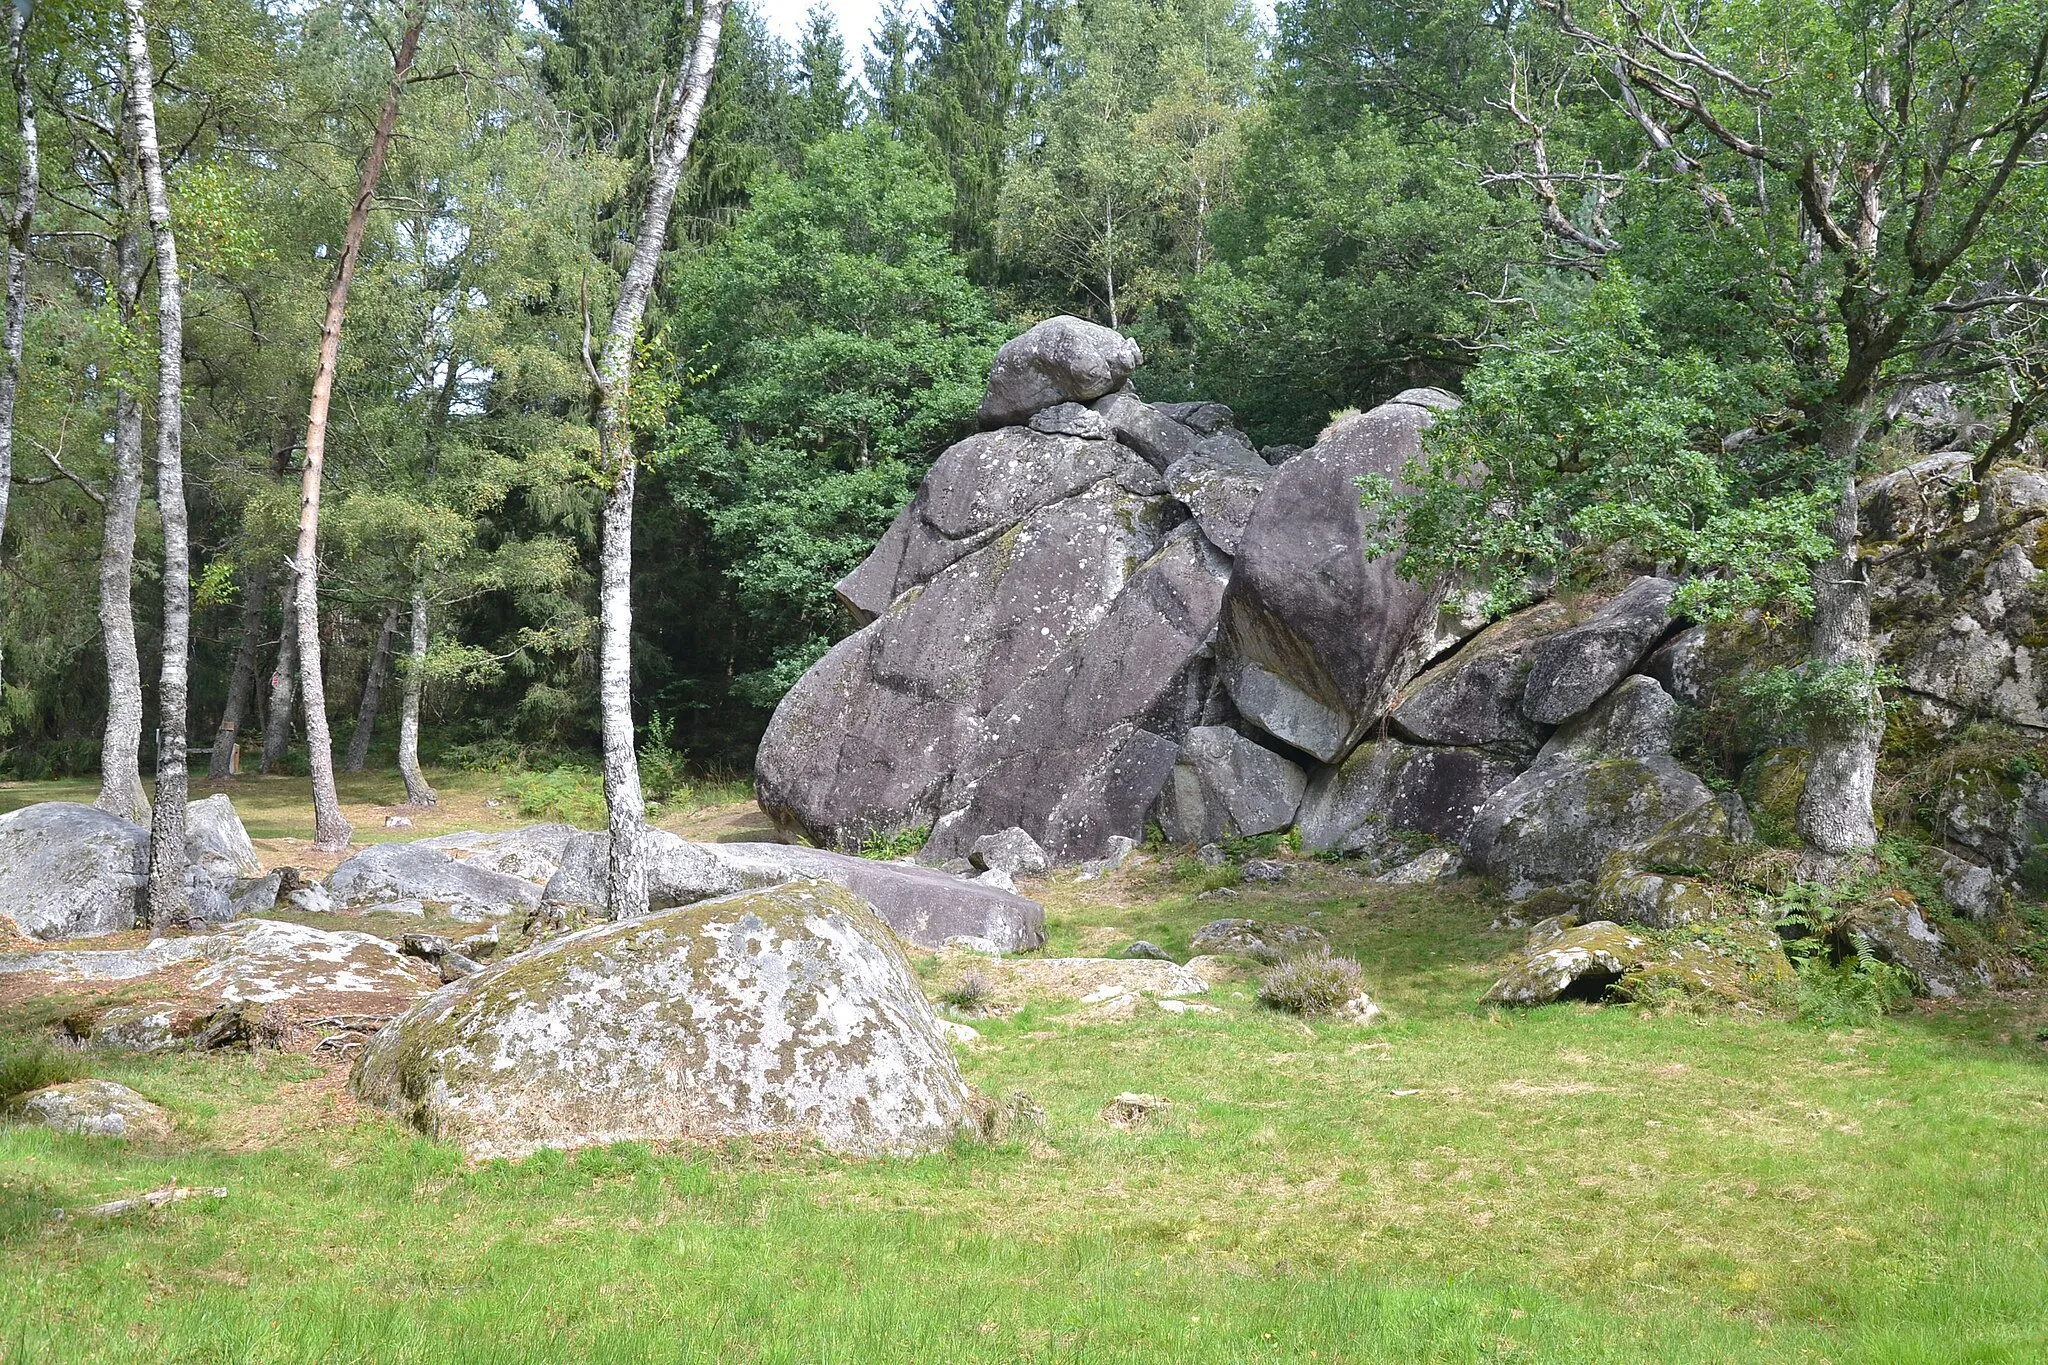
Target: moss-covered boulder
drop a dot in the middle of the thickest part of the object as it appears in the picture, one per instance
(1772, 785)
(1580, 962)
(788, 1012)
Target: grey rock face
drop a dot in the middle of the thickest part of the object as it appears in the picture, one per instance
(1072, 419)
(1576, 667)
(1158, 439)
(1974, 891)
(1682, 664)
(1387, 787)
(69, 871)
(216, 845)
(1204, 419)
(1473, 698)
(1555, 824)
(1223, 783)
(1220, 483)
(1062, 359)
(1009, 850)
(975, 492)
(679, 872)
(1638, 719)
(1921, 499)
(1280, 454)
(1315, 639)
(531, 853)
(393, 872)
(786, 1013)
(96, 1109)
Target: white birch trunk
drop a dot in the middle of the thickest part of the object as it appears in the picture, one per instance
(121, 789)
(167, 867)
(626, 808)
(20, 219)
(417, 790)
(373, 694)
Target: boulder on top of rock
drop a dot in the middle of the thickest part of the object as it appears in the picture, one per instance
(1685, 665)
(1315, 638)
(1577, 666)
(1062, 359)
(1220, 483)
(1161, 441)
(70, 871)
(1072, 419)
(216, 844)
(1922, 499)
(396, 872)
(95, 1108)
(1223, 783)
(1555, 824)
(1473, 698)
(1386, 788)
(786, 1013)
(531, 853)
(1204, 418)
(1009, 850)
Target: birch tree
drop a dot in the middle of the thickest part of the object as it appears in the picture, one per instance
(167, 866)
(121, 791)
(20, 219)
(611, 377)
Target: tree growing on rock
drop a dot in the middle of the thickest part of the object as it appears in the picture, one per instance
(1827, 207)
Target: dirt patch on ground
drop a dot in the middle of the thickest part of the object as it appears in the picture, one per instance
(735, 822)
(302, 1109)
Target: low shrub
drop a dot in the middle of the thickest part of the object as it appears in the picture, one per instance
(969, 993)
(1312, 983)
(570, 793)
(31, 1063)
(1858, 990)
(888, 845)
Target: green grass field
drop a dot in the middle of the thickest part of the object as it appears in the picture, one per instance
(1571, 1183)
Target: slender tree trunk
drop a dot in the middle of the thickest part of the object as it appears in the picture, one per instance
(373, 694)
(330, 831)
(417, 790)
(626, 808)
(1835, 816)
(167, 866)
(20, 218)
(277, 716)
(241, 682)
(121, 790)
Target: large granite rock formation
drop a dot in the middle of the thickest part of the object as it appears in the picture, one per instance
(1061, 360)
(69, 871)
(780, 1013)
(384, 873)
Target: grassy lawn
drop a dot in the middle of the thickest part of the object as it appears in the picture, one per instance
(1570, 1183)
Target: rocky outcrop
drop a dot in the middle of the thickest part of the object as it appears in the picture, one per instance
(69, 871)
(1062, 359)
(785, 1013)
(1387, 790)
(532, 853)
(1575, 667)
(1315, 638)
(1223, 783)
(1220, 482)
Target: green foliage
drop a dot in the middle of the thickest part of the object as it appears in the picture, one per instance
(968, 992)
(1853, 993)
(662, 773)
(568, 792)
(889, 845)
(1312, 983)
(1780, 698)
(31, 1063)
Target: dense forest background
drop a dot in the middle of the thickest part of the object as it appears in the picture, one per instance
(1292, 221)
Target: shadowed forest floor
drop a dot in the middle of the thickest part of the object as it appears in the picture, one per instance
(1568, 1183)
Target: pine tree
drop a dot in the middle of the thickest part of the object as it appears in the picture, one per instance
(888, 69)
(825, 105)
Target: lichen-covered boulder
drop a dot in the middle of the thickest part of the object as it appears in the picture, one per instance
(397, 872)
(1072, 419)
(1473, 698)
(1387, 788)
(1011, 851)
(216, 844)
(1581, 962)
(1575, 667)
(531, 853)
(1638, 719)
(1315, 638)
(1264, 939)
(1162, 441)
(1223, 783)
(1061, 360)
(1556, 823)
(69, 871)
(785, 1013)
(1220, 484)
(95, 1108)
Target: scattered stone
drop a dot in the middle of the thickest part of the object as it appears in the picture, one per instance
(255, 895)
(1220, 893)
(1257, 938)
(1011, 851)
(997, 879)
(1118, 850)
(1187, 1007)
(1266, 870)
(1584, 961)
(1430, 865)
(397, 822)
(787, 1012)
(1148, 950)
(970, 943)
(1974, 891)
(454, 966)
(1131, 1110)
(1211, 855)
(1061, 359)
(954, 1032)
(70, 871)
(94, 1108)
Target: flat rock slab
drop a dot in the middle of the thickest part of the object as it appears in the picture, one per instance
(782, 1013)
(1256, 938)
(531, 853)
(96, 1108)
